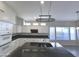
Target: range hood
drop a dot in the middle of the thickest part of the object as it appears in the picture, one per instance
(45, 18)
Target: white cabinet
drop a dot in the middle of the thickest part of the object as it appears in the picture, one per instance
(4, 50)
(5, 32)
(5, 39)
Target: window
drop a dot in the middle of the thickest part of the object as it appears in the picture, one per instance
(27, 24)
(62, 33)
(59, 33)
(52, 33)
(65, 33)
(35, 24)
(72, 33)
(78, 33)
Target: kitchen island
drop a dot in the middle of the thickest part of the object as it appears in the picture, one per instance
(41, 50)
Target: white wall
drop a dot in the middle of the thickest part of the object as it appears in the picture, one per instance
(43, 29)
(8, 14)
(63, 23)
(77, 23)
(26, 29)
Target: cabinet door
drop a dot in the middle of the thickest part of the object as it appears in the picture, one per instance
(5, 39)
(5, 32)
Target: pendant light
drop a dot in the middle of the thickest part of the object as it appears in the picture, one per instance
(46, 17)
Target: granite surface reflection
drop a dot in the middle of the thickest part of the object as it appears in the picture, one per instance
(41, 50)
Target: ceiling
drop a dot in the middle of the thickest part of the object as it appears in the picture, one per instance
(60, 10)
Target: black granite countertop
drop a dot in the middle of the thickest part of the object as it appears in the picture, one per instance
(34, 51)
(29, 35)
